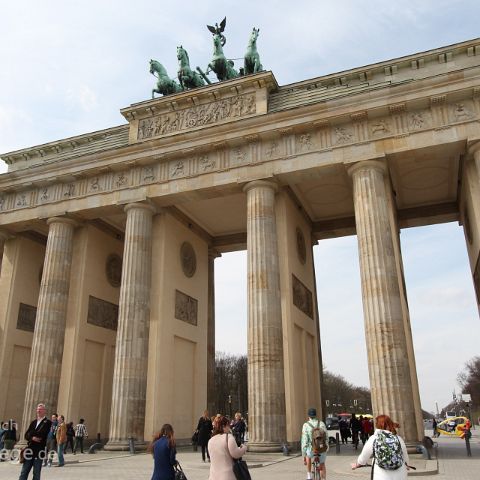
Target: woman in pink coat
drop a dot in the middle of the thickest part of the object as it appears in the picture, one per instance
(223, 449)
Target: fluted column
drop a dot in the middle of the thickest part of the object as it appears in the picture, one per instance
(3, 237)
(127, 418)
(212, 255)
(48, 338)
(474, 150)
(388, 363)
(266, 383)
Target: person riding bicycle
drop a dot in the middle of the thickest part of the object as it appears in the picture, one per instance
(314, 444)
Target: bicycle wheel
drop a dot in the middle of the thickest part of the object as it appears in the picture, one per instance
(316, 470)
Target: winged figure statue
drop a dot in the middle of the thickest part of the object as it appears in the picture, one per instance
(218, 30)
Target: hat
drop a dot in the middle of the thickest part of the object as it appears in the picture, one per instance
(312, 412)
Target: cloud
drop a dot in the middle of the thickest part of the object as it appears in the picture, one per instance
(83, 96)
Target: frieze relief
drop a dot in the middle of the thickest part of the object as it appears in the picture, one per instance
(323, 136)
(199, 116)
(186, 308)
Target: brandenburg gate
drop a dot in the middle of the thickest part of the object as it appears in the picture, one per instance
(109, 241)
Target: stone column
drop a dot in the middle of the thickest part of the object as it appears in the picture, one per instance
(388, 363)
(474, 150)
(127, 418)
(212, 254)
(266, 383)
(3, 237)
(48, 338)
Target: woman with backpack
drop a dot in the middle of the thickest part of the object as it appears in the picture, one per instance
(390, 457)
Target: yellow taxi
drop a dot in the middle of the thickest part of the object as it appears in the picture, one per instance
(454, 426)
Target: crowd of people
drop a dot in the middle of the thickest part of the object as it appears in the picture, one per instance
(355, 428)
(46, 438)
(222, 442)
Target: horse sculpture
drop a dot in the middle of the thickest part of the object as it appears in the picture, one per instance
(252, 58)
(219, 64)
(186, 76)
(165, 85)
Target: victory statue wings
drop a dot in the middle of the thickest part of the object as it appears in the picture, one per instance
(218, 28)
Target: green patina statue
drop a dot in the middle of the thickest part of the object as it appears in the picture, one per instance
(220, 65)
(252, 58)
(165, 85)
(218, 30)
(186, 76)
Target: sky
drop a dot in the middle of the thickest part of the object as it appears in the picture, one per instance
(67, 67)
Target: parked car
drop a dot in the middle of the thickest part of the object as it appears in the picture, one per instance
(332, 423)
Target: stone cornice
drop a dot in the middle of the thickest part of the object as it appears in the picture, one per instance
(285, 122)
(416, 116)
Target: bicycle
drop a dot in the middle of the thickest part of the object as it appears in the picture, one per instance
(316, 467)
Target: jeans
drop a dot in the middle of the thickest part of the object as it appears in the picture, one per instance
(78, 441)
(61, 460)
(36, 463)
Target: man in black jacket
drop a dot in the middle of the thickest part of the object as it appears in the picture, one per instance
(36, 436)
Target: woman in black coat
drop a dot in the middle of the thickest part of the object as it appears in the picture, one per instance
(204, 429)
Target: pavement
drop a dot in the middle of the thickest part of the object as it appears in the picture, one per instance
(451, 462)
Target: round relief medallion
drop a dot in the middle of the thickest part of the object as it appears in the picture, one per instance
(188, 259)
(301, 247)
(113, 270)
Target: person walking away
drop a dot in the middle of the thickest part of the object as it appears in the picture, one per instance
(61, 437)
(223, 449)
(239, 428)
(164, 453)
(70, 436)
(204, 429)
(36, 437)
(9, 437)
(51, 442)
(344, 429)
(434, 427)
(80, 434)
(388, 449)
(314, 443)
(356, 428)
(366, 430)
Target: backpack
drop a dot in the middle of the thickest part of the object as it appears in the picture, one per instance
(388, 451)
(319, 439)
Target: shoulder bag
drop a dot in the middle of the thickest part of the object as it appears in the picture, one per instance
(179, 475)
(240, 468)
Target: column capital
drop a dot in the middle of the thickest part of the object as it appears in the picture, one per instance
(140, 205)
(473, 148)
(66, 220)
(4, 235)
(213, 253)
(375, 164)
(261, 183)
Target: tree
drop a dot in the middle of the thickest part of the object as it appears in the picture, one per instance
(469, 379)
(341, 395)
(231, 384)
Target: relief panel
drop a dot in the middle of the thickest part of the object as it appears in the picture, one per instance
(102, 313)
(186, 308)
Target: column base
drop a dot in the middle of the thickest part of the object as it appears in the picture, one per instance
(124, 446)
(413, 447)
(264, 447)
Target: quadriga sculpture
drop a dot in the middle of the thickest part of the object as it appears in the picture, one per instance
(165, 85)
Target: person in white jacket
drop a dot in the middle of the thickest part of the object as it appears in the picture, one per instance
(385, 429)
